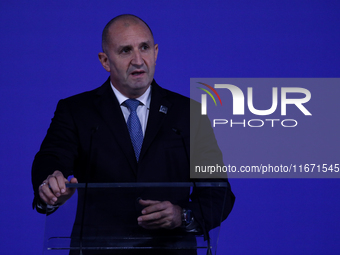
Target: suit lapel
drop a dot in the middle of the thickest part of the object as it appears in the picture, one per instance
(156, 117)
(110, 111)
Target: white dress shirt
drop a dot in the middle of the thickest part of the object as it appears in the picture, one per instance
(142, 110)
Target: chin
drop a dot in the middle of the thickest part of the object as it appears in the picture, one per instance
(140, 84)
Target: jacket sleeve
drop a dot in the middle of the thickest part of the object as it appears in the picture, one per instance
(58, 150)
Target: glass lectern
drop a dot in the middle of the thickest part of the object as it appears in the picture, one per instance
(104, 220)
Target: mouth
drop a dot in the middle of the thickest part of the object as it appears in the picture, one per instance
(137, 73)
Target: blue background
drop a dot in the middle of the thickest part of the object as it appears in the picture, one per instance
(49, 51)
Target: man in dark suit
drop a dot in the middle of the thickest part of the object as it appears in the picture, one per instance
(92, 136)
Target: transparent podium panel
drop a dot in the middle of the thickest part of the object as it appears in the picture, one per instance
(102, 218)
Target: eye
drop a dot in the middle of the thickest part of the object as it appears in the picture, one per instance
(145, 47)
(125, 50)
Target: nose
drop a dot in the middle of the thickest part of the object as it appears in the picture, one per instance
(137, 58)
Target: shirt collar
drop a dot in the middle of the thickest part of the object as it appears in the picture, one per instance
(144, 99)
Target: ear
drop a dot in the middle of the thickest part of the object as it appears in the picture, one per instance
(156, 52)
(104, 60)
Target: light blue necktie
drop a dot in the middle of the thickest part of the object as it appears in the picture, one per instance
(134, 126)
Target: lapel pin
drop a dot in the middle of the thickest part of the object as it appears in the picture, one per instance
(163, 109)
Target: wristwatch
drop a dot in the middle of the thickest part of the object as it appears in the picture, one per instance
(186, 217)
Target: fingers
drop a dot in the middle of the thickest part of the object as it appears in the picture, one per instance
(160, 215)
(148, 202)
(74, 180)
(56, 183)
(69, 191)
(46, 194)
(163, 223)
(154, 220)
(155, 206)
(53, 187)
(153, 216)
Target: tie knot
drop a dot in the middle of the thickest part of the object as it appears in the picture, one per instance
(132, 104)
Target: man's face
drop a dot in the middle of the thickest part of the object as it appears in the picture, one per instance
(130, 58)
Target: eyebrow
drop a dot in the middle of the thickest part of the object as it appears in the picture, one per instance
(148, 42)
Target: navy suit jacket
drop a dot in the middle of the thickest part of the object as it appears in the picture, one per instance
(88, 137)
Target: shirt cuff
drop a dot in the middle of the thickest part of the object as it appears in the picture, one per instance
(45, 207)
